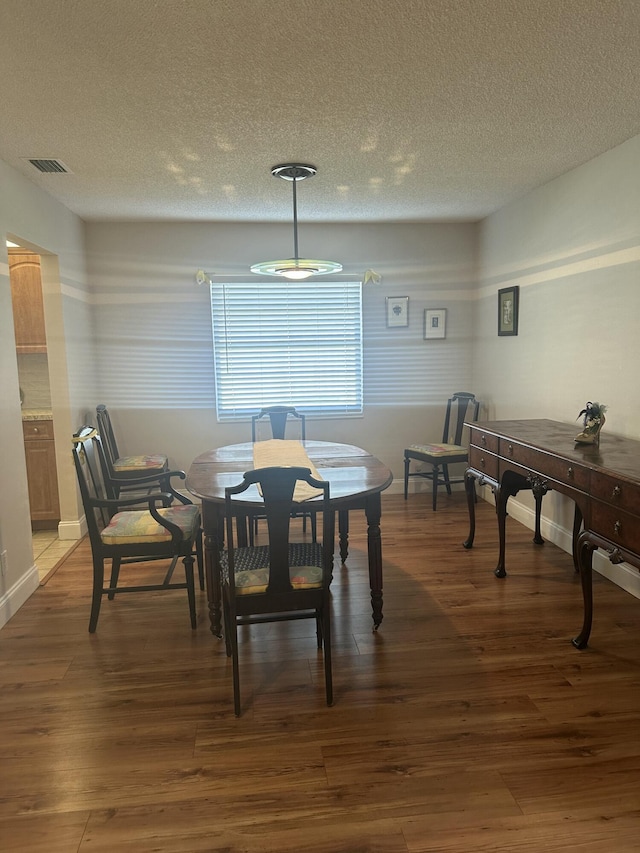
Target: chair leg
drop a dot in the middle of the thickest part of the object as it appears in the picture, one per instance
(226, 625)
(96, 598)
(191, 590)
(115, 574)
(326, 642)
(407, 463)
(233, 639)
(445, 477)
(436, 477)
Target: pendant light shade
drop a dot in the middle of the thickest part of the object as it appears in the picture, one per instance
(295, 268)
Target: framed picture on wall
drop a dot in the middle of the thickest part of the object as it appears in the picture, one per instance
(508, 311)
(435, 323)
(397, 311)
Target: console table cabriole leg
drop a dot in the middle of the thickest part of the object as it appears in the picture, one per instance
(373, 512)
(537, 536)
(502, 496)
(585, 549)
(577, 524)
(470, 489)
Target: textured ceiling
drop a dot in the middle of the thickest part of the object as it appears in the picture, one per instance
(412, 110)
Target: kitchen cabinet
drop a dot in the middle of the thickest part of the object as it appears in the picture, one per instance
(40, 453)
(28, 306)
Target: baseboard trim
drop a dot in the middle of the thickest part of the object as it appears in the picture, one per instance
(72, 529)
(12, 600)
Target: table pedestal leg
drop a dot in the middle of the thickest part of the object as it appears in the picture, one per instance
(343, 533)
(373, 512)
(212, 572)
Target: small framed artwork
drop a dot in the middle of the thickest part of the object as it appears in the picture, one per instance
(397, 311)
(435, 323)
(508, 311)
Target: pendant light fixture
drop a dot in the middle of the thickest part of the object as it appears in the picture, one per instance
(295, 268)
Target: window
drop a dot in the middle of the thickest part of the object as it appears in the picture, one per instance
(291, 343)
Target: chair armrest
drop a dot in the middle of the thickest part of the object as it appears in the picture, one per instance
(163, 478)
(118, 503)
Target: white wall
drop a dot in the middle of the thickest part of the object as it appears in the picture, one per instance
(153, 328)
(42, 224)
(573, 248)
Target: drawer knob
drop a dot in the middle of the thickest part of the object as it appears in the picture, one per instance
(510, 449)
(617, 491)
(35, 429)
(482, 462)
(570, 472)
(483, 440)
(617, 527)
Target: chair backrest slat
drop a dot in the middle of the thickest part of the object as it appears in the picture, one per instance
(90, 481)
(105, 428)
(466, 409)
(277, 486)
(278, 416)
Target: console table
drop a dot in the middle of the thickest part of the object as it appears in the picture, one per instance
(541, 455)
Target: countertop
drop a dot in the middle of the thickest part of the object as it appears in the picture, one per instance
(37, 415)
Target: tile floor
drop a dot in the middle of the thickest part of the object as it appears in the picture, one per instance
(48, 551)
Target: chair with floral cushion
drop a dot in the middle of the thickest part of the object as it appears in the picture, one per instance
(160, 526)
(125, 467)
(283, 580)
(461, 407)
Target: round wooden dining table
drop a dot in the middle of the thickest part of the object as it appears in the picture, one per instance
(356, 481)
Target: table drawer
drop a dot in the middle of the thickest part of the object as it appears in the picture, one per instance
(37, 430)
(483, 461)
(619, 527)
(485, 440)
(619, 493)
(561, 470)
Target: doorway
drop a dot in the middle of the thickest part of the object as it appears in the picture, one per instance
(40, 404)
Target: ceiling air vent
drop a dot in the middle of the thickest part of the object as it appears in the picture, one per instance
(48, 166)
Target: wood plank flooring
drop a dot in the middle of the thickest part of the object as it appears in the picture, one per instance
(468, 722)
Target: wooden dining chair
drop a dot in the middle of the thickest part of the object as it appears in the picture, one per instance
(160, 526)
(278, 417)
(125, 467)
(283, 580)
(461, 406)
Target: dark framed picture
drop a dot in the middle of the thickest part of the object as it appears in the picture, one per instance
(397, 311)
(508, 311)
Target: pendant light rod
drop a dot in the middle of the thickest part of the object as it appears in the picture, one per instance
(295, 268)
(295, 221)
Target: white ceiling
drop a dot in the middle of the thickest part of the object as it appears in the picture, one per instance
(412, 110)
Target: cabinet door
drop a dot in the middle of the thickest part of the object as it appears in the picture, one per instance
(28, 307)
(43, 481)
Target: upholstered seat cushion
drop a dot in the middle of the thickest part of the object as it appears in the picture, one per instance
(135, 463)
(127, 528)
(252, 567)
(438, 449)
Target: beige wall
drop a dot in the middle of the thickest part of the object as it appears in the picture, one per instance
(153, 327)
(573, 247)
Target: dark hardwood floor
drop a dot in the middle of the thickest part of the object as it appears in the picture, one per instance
(467, 723)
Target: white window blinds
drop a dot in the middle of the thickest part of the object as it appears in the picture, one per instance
(287, 343)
